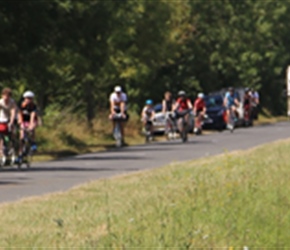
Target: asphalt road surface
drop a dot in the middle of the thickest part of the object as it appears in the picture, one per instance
(60, 175)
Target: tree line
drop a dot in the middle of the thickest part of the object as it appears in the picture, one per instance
(72, 53)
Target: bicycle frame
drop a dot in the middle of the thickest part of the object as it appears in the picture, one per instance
(26, 151)
(8, 150)
(118, 119)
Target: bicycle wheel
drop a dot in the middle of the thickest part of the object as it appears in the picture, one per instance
(118, 135)
(148, 134)
(12, 157)
(184, 131)
(232, 122)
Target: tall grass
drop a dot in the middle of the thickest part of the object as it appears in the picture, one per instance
(71, 135)
(223, 202)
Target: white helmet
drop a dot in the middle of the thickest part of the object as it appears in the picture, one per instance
(118, 89)
(200, 95)
(28, 94)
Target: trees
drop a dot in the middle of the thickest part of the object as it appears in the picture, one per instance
(72, 53)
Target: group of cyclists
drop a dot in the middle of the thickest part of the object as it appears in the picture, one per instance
(174, 110)
(15, 117)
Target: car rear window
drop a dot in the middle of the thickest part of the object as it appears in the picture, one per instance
(213, 101)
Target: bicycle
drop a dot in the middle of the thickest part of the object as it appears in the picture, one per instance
(118, 119)
(232, 121)
(247, 116)
(183, 128)
(170, 129)
(200, 118)
(8, 156)
(26, 151)
(148, 131)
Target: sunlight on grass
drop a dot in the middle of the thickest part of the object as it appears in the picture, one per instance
(234, 200)
(71, 136)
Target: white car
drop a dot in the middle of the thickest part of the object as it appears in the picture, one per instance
(159, 122)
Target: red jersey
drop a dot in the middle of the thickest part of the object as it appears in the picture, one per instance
(199, 104)
(183, 104)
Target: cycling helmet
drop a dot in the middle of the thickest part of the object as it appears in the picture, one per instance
(149, 102)
(118, 89)
(247, 90)
(200, 95)
(231, 89)
(28, 94)
(181, 93)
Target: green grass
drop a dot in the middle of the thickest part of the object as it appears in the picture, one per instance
(234, 200)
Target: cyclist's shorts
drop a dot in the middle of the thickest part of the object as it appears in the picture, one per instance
(198, 113)
(26, 124)
(181, 113)
(4, 128)
(230, 106)
(122, 119)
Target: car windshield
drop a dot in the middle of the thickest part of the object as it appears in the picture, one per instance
(158, 107)
(213, 101)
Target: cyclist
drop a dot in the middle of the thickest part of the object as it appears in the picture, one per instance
(8, 110)
(182, 108)
(118, 100)
(167, 110)
(247, 104)
(255, 101)
(167, 103)
(199, 111)
(148, 114)
(27, 116)
(231, 103)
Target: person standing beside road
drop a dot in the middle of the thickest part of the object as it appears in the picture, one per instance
(199, 111)
(231, 103)
(118, 105)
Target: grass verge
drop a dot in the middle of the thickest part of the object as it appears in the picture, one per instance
(71, 135)
(228, 202)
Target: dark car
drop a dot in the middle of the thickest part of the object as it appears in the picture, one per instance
(215, 112)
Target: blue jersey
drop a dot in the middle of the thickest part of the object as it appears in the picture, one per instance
(231, 99)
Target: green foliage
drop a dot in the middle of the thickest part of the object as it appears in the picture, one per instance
(73, 51)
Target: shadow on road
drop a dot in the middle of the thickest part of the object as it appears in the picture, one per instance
(2, 183)
(97, 157)
(64, 169)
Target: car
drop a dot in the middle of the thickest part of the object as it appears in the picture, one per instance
(215, 112)
(159, 122)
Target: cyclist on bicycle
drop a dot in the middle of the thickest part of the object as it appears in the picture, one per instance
(247, 102)
(231, 103)
(167, 102)
(118, 101)
(27, 117)
(148, 114)
(199, 111)
(8, 110)
(167, 110)
(182, 108)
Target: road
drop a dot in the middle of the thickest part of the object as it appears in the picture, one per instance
(60, 175)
